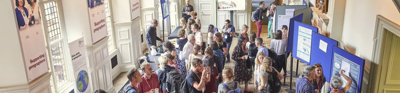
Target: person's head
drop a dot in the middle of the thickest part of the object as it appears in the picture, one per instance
(191, 22)
(30, 2)
(211, 28)
(168, 46)
(252, 37)
(278, 34)
(261, 4)
(187, 2)
(163, 60)
(183, 21)
(197, 65)
(218, 37)
(242, 41)
(209, 61)
(319, 73)
(336, 83)
(214, 45)
(181, 33)
(193, 14)
(259, 42)
(266, 64)
(20, 3)
(227, 74)
(191, 39)
(134, 76)
(260, 57)
(196, 49)
(195, 27)
(245, 28)
(146, 68)
(154, 23)
(171, 58)
(227, 22)
(100, 91)
(208, 51)
(309, 72)
(284, 28)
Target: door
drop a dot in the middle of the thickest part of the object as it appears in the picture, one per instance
(207, 12)
(389, 81)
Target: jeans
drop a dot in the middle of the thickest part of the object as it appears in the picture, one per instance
(228, 46)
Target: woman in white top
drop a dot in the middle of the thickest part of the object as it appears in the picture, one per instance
(193, 55)
(278, 45)
(257, 68)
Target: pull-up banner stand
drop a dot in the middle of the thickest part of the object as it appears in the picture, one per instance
(165, 14)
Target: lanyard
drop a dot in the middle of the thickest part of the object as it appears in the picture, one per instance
(148, 84)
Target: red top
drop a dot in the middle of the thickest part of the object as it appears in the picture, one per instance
(148, 84)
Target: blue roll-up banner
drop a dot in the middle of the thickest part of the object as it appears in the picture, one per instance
(164, 8)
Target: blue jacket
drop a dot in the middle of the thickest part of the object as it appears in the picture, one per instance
(227, 37)
(259, 13)
(151, 36)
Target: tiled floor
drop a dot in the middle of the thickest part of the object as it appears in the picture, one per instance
(121, 79)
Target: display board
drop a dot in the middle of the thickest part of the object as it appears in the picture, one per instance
(302, 37)
(31, 36)
(164, 8)
(282, 13)
(231, 4)
(352, 65)
(78, 60)
(135, 8)
(307, 15)
(97, 17)
(298, 18)
(321, 52)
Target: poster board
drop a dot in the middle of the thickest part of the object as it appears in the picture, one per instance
(97, 19)
(321, 52)
(135, 8)
(31, 36)
(231, 4)
(353, 66)
(78, 59)
(164, 8)
(302, 37)
(284, 10)
(298, 18)
(307, 15)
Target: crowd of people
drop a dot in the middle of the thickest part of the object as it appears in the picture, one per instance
(197, 66)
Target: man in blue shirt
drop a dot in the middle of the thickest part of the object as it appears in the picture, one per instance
(151, 35)
(304, 83)
(261, 48)
(134, 78)
(229, 32)
(186, 10)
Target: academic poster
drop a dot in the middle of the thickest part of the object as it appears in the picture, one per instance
(304, 43)
(78, 57)
(29, 25)
(351, 69)
(135, 8)
(97, 17)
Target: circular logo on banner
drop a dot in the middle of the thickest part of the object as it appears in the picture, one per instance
(82, 81)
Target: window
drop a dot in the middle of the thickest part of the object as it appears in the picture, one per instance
(110, 29)
(62, 76)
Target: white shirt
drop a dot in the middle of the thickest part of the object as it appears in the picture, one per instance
(278, 46)
(186, 51)
(199, 38)
(210, 37)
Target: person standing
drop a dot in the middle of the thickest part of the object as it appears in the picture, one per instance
(186, 10)
(239, 55)
(151, 35)
(197, 77)
(229, 32)
(278, 45)
(182, 39)
(150, 82)
(261, 48)
(319, 77)
(258, 17)
(134, 78)
(304, 83)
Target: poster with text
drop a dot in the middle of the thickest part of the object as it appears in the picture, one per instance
(135, 9)
(351, 69)
(78, 59)
(29, 25)
(231, 4)
(304, 43)
(97, 17)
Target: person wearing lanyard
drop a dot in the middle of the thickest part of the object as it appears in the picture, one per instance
(229, 32)
(150, 82)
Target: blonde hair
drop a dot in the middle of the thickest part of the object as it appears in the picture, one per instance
(163, 60)
(228, 72)
(266, 65)
(257, 58)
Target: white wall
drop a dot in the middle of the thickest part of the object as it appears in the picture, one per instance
(76, 18)
(11, 64)
(359, 23)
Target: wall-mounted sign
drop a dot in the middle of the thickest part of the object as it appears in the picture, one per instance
(78, 57)
(97, 17)
(31, 35)
(135, 9)
(232, 4)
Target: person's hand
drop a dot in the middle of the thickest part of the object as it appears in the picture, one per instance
(341, 72)
(243, 57)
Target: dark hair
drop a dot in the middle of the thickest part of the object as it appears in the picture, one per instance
(214, 45)
(219, 35)
(228, 21)
(278, 34)
(30, 2)
(209, 50)
(181, 33)
(100, 91)
(252, 36)
(196, 26)
(240, 41)
(285, 27)
(210, 61)
(259, 40)
(244, 25)
(169, 56)
(169, 46)
(17, 3)
(131, 73)
(262, 2)
(320, 66)
(196, 62)
(154, 21)
(210, 28)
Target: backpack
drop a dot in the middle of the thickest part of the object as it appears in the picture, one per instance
(174, 80)
(237, 90)
(274, 82)
(184, 87)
